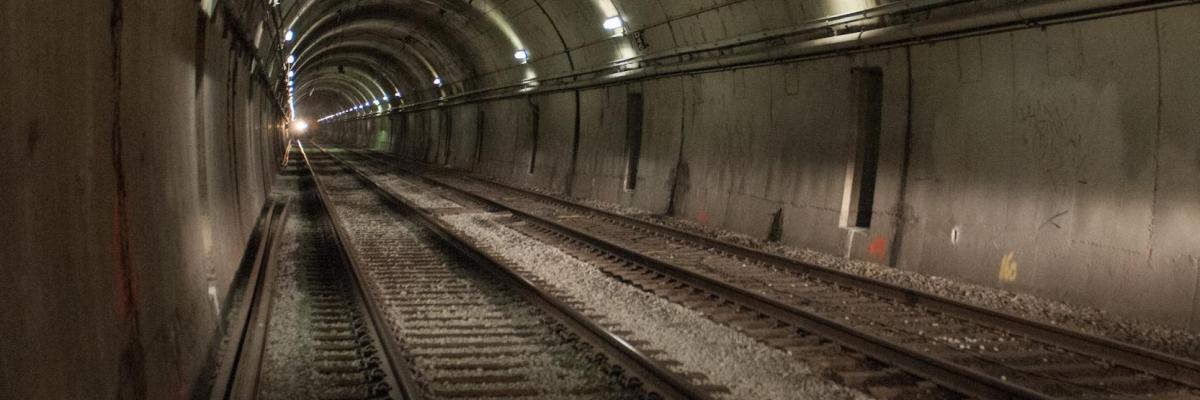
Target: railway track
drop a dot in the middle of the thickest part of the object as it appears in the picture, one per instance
(467, 326)
(887, 340)
(303, 328)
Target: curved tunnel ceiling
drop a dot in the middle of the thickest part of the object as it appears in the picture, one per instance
(384, 47)
(373, 49)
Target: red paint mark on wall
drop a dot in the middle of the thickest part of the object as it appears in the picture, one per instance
(878, 248)
(123, 275)
(132, 368)
(703, 217)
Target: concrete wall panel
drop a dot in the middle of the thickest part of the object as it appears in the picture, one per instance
(554, 143)
(502, 122)
(600, 167)
(1043, 164)
(662, 135)
(465, 136)
(1174, 237)
(44, 143)
(136, 171)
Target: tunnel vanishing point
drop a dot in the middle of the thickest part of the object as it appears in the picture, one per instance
(192, 189)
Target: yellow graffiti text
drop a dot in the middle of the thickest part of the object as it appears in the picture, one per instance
(1008, 269)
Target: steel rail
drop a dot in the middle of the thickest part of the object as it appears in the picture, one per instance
(656, 378)
(403, 386)
(945, 373)
(1167, 366)
(239, 318)
(238, 374)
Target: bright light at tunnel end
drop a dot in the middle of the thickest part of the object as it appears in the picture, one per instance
(299, 126)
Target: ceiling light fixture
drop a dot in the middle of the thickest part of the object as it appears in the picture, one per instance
(613, 23)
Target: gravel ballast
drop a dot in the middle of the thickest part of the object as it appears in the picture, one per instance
(441, 308)
(1084, 319)
(287, 366)
(727, 357)
(420, 197)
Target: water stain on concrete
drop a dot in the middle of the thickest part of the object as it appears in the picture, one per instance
(33, 135)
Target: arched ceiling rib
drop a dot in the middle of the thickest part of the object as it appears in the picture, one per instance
(365, 88)
(406, 44)
(326, 100)
(353, 90)
(394, 23)
(389, 78)
(409, 71)
(470, 44)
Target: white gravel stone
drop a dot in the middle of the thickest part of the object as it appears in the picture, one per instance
(287, 371)
(1085, 319)
(420, 197)
(727, 357)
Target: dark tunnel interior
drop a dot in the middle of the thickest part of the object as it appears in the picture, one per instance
(1031, 167)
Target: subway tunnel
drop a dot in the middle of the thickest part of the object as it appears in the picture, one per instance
(576, 199)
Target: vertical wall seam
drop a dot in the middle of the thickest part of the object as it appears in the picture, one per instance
(231, 126)
(1157, 137)
(905, 165)
(1158, 149)
(563, 41)
(131, 371)
(679, 160)
(570, 189)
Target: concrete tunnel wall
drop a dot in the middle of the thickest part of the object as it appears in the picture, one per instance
(139, 151)
(1062, 161)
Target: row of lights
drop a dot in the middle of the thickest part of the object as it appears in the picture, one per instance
(377, 103)
(291, 77)
(613, 24)
(291, 74)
